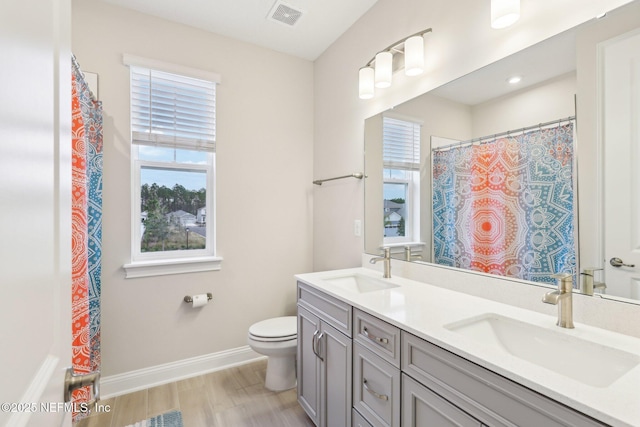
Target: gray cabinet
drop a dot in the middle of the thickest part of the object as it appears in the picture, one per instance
(376, 388)
(324, 359)
(332, 311)
(422, 407)
(376, 370)
(359, 421)
(357, 370)
(378, 336)
(486, 396)
(335, 350)
(308, 365)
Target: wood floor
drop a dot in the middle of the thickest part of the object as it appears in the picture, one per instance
(234, 397)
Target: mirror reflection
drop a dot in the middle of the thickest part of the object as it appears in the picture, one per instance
(481, 173)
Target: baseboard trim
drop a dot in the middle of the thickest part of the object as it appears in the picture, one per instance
(116, 385)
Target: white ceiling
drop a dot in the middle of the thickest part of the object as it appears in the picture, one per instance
(548, 59)
(321, 22)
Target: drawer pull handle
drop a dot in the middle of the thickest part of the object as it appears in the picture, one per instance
(313, 343)
(320, 349)
(377, 395)
(378, 340)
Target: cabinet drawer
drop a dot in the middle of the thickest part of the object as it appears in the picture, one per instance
(378, 336)
(330, 309)
(423, 407)
(358, 420)
(376, 388)
(485, 395)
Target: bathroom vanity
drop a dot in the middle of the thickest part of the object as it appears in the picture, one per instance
(397, 352)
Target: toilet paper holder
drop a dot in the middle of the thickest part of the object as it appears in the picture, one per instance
(189, 299)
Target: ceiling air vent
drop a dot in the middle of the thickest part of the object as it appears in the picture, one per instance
(284, 14)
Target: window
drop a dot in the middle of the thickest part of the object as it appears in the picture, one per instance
(173, 132)
(401, 191)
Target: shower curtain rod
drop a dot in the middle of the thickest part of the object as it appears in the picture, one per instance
(509, 132)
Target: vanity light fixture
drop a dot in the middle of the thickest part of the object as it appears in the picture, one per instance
(504, 13)
(379, 70)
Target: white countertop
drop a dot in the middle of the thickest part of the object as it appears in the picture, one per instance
(424, 310)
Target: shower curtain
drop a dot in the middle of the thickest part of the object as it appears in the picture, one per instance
(506, 206)
(86, 212)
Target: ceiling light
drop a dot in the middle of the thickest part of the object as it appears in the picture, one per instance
(504, 13)
(378, 72)
(515, 79)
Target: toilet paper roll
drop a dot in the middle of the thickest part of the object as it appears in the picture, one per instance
(200, 300)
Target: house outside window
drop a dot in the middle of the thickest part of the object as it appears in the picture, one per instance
(401, 180)
(173, 134)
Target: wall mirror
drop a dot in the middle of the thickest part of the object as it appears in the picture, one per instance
(408, 147)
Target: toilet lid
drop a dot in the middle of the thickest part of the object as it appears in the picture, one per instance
(279, 327)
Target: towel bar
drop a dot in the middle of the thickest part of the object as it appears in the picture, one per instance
(358, 175)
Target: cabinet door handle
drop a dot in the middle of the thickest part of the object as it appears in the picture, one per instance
(319, 347)
(314, 343)
(377, 395)
(377, 340)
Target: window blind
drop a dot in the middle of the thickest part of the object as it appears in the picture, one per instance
(401, 144)
(172, 111)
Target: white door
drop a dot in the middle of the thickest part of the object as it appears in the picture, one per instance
(35, 231)
(621, 130)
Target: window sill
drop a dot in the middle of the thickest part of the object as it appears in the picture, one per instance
(165, 267)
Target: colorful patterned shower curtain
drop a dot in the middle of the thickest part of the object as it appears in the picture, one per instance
(86, 212)
(507, 206)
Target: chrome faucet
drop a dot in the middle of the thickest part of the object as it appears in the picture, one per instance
(588, 283)
(563, 298)
(387, 262)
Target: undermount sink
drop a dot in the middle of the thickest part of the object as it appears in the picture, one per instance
(581, 360)
(359, 283)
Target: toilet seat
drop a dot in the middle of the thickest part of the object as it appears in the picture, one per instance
(278, 329)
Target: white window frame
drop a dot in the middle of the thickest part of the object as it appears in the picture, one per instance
(412, 201)
(144, 264)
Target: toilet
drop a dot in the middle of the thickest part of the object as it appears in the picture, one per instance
(277, 339)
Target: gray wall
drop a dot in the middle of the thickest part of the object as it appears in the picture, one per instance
(264, 206)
